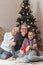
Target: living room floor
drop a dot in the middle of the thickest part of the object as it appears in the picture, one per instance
(18, 61)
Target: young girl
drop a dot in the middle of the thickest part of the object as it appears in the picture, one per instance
(29, 49)
(30, 43)
(5, 48)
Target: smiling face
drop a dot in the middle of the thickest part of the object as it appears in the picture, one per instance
(23, 30)
(31, 35)
(15, 31)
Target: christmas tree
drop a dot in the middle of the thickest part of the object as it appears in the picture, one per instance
(27, 17)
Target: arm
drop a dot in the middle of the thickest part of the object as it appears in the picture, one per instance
(5, 42)
(13, 43)
(26, 51)
(21, 51)
(24, 45)
(32, 47)
(35, 43)
(28, 48)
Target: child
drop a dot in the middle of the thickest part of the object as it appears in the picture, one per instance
(5, 48)
(29, 48)
(29, 43)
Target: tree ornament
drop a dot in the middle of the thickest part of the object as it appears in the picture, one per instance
(27, 19)
(21, 21)
(27, 14)
(26, 7)
(31, 23)
(28, 26)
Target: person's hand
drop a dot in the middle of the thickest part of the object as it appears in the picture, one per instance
(28, 49)
(12, 44)
(35, 45)
(22, 52)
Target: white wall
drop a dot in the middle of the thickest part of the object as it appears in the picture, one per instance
(8, 13)
(9, 10)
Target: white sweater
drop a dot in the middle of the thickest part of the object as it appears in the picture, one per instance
(8, 38)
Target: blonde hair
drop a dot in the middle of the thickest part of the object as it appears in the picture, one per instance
(24, 25)
(16, 29)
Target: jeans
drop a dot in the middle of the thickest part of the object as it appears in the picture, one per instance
(14, 53)
(32, 56)
(4, 54)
